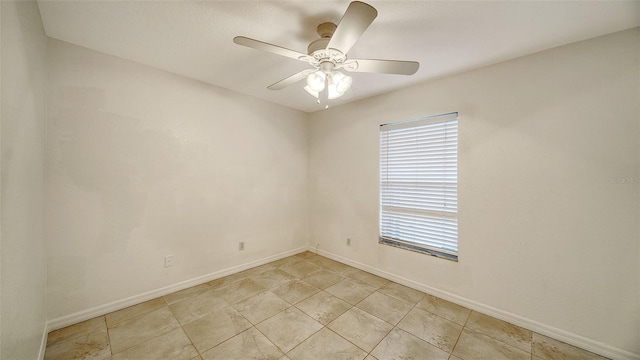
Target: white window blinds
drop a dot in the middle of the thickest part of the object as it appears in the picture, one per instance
(418, 185)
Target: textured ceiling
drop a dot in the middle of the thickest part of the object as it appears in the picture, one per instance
(194, 38)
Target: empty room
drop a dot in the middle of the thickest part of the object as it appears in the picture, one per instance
(319, 180)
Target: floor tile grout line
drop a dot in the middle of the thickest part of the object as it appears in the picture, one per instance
(351, 342)
(356, 306)
(460, 335)
(290, 306)
(403, 317)
(137, 317)
(396, 326)
(328, 328)
(393, 326)
(229, 338)
(298, 344)
(222, 341)
(494, 338)
(75, 336)
(184, 331)
(104, 318)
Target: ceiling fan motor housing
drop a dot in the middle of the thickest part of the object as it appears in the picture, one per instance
(318, 50)
(318, 44)
(326, 30)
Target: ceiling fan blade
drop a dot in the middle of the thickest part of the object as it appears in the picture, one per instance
(382, 66)
(354, 22)
(288, 81)
(274, 49)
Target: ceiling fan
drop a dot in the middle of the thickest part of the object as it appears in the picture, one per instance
(329, 54)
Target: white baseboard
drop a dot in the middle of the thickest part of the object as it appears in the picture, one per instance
(552, 332)
(43, 342)
(87, 314)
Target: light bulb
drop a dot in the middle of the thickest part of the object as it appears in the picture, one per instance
(316, 80)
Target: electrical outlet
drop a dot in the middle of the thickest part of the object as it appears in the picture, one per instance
(348, 241)
(168, 261)
(241, 246)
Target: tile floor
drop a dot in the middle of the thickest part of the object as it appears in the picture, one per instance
(302, 307)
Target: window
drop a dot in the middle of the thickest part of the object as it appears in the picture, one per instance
(419, 185)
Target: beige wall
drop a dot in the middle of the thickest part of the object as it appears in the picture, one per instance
(22, 242)
(549, 237)
(144, 164)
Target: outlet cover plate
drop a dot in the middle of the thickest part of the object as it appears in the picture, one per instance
(168, 261)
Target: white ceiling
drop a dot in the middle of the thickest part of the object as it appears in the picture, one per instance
(194, 38)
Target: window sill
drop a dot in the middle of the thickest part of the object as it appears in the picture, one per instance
(416, 248)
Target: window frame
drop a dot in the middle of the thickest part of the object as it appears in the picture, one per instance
(447, 212)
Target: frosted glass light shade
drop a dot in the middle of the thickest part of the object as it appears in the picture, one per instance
(341, 81)
(316, 80)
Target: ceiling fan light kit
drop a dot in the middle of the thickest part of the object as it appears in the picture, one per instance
(329, 54)
(335, 82)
